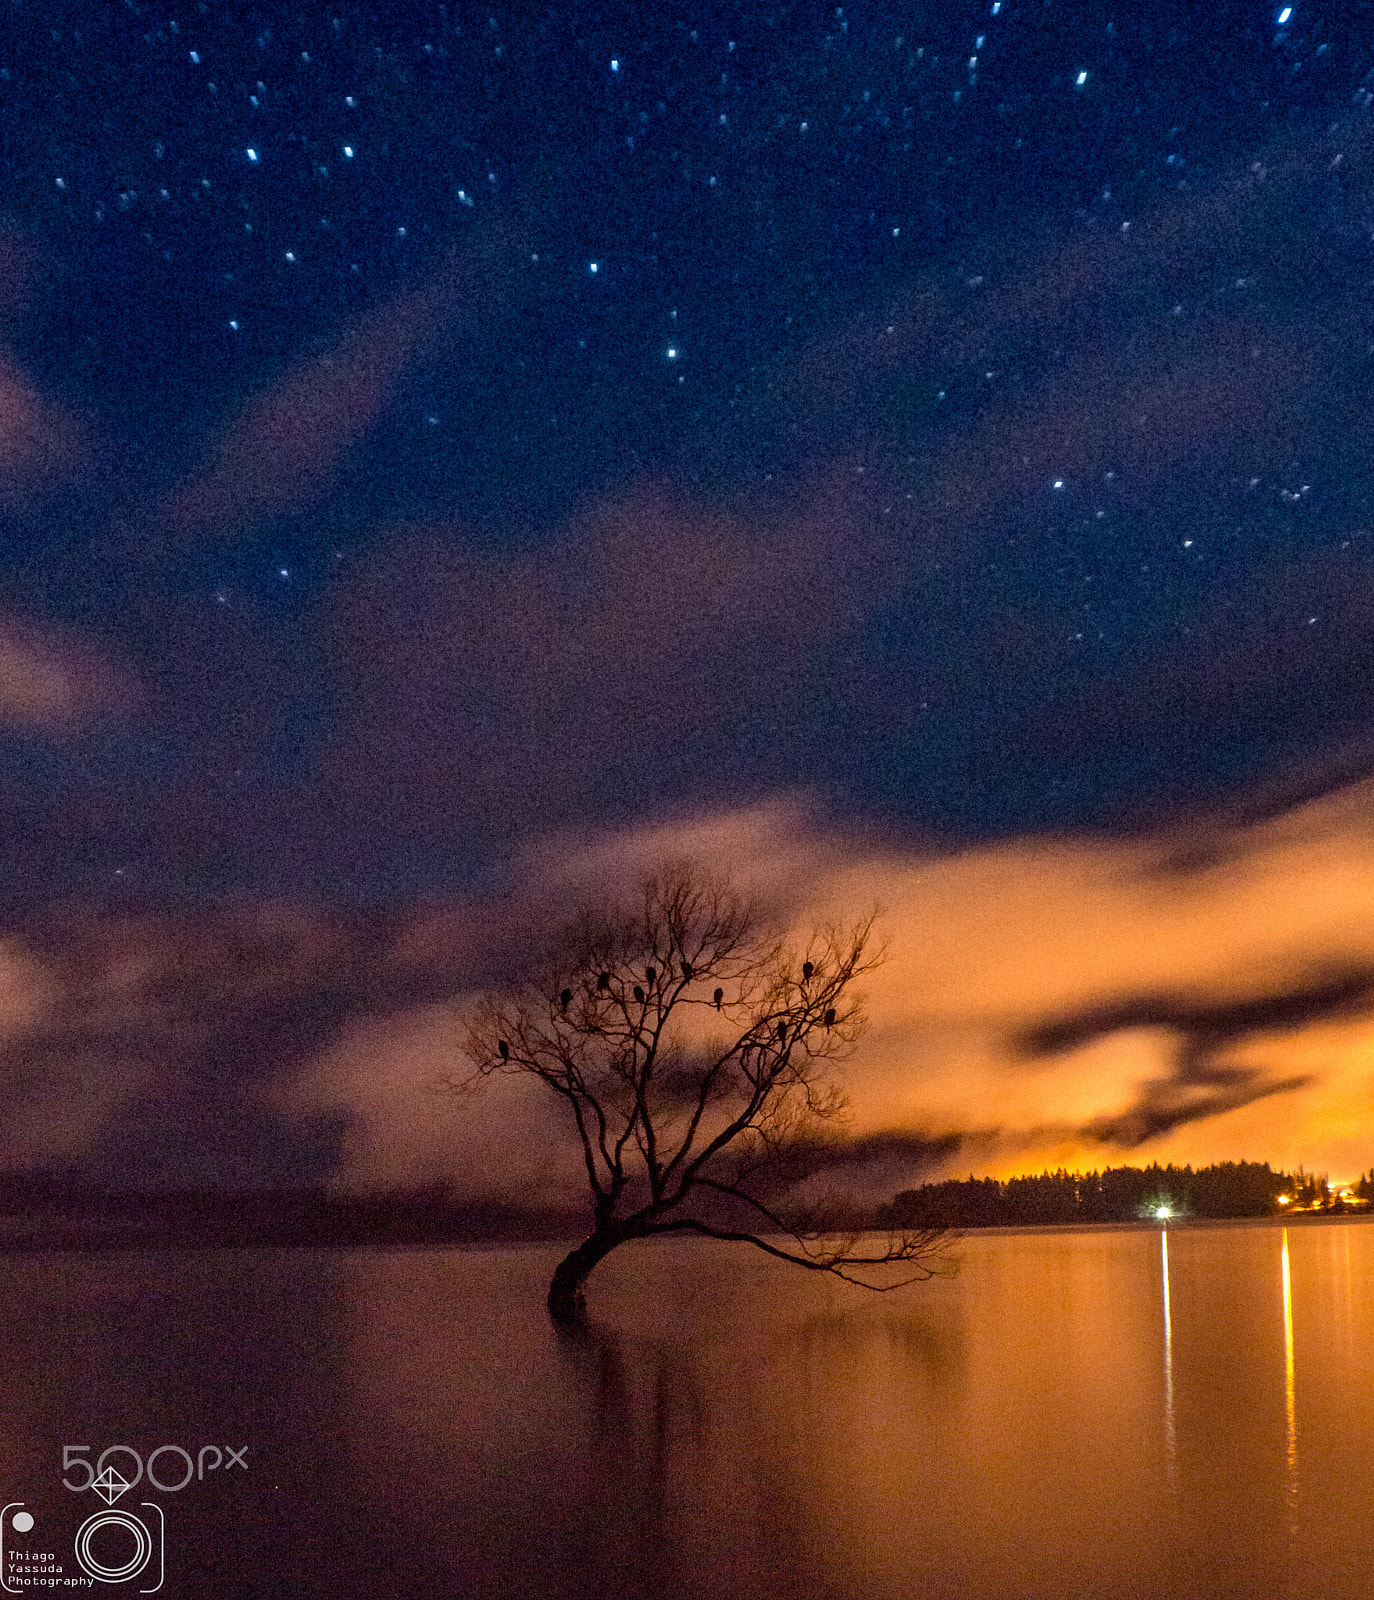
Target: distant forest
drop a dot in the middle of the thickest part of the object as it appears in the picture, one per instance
(1124, 1194)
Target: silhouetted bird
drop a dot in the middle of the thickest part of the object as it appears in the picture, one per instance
(604, 981)
(649, 975)
(503, 1049)
(687, 970)
(639, 994)
(782, 1033)
(718, 997)
(830, 1018)
(565, 999)
(807, 970)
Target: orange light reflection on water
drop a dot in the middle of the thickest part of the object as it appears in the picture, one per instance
(1170, 1441)
(1289, 1390)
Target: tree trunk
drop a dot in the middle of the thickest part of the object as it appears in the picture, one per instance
(567, 1303)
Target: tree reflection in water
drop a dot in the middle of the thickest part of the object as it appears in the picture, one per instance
(724, 1451)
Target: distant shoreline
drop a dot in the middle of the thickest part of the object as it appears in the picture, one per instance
(1293, 1219)
(56, 1217)
(87, 1238)
(50, 1213)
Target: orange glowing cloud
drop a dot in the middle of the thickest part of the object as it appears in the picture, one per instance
(1231, 1003)
(1044, 1001)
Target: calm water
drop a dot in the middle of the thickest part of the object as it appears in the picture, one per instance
(1102, 1414)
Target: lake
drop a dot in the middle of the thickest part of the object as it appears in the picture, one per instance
(1101, 1413)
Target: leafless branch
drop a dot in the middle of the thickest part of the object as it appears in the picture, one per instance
(693, 1046)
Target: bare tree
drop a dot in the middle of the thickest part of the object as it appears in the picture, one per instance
(691, 1048)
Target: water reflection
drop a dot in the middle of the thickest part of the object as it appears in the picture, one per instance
(417, 1427)
(1290, 1394)
(1289, 1375)
(1346, 1279)
(1170, 1439)
(707, 1433)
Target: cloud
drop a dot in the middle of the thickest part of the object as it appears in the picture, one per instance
(394, 1083)
(53, 1107)
(603, 674)
(53, 681)
(42, 445)
(1044, 1001)
(283, 452)
(143, 1045)
(1201, 1083)
(1061, 997)
(1193, 605)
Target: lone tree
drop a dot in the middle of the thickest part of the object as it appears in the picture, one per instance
(691, 1048)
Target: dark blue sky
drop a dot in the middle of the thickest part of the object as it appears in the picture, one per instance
(431, 426)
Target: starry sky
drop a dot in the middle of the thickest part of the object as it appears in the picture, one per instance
(917, 451)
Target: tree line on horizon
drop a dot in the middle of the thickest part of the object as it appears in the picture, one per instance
(1123, 1194)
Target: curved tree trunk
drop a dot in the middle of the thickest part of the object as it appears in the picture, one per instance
(567, 1302)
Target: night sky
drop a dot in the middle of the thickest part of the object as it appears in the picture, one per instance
(448, 453)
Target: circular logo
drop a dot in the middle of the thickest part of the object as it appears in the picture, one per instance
(21, 1521)
(103, 1571)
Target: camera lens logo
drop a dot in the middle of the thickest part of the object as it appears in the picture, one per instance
(112, 1546)
(93, 1536)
